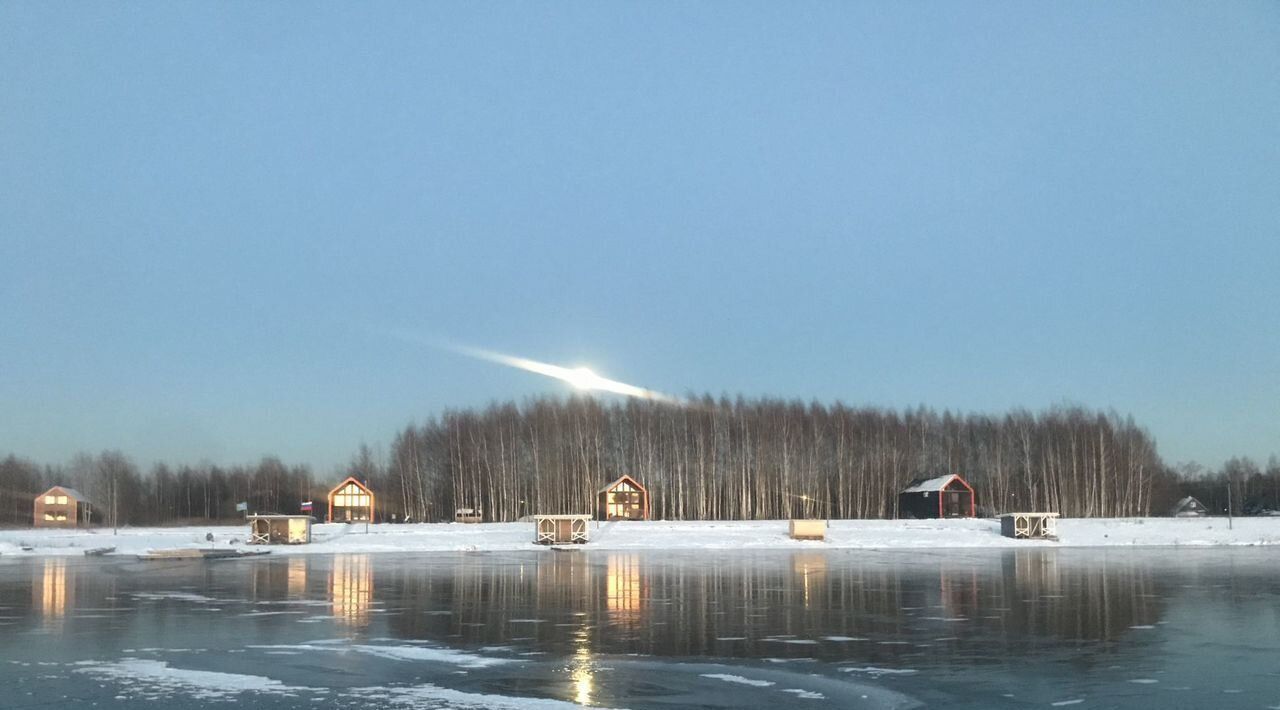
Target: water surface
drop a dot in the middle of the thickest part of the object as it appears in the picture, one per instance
(958, 628)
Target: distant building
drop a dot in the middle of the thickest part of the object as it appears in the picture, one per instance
(941, 497)
(1189, 508)
(623, 499)
(61, 507)
(279, 529)
(350, 501)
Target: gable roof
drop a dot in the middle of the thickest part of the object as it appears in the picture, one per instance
(71, 493)
(1189, 503)
(624, 477)
(350, 479)
(933, 485)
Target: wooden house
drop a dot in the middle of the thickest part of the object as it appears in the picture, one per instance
(623, 499)
(1189, 507)
(941, 497)
(351, 501)
(468, 515)
(279, 529)
(61, 507)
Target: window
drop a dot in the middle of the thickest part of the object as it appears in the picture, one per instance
(50, 500)
(62, 500)
(48, 516)
(61, 516)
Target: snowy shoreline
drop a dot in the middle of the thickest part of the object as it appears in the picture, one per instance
(661, 536)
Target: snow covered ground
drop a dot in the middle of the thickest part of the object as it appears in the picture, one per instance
(658, 535)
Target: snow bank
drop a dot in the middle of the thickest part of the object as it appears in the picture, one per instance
(665, 535)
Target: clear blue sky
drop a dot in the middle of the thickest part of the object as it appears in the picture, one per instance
(212, 214)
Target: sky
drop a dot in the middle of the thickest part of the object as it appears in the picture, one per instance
(229, 229)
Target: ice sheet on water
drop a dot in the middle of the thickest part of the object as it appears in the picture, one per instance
(433, 696)
(805, 694)
(157, 679)
(179, 596)
(730, 678)
(876, 671)
(419, 653)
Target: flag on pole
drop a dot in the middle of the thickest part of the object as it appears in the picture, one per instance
(306, 506)
(242, 507)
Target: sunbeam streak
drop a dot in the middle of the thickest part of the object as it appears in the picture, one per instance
(580, 377)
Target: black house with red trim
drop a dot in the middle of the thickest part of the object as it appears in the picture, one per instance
(941, 497)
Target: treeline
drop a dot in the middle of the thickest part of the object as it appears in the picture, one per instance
(1241, 486)
(713, 459)
(752, 459)
(161, 495)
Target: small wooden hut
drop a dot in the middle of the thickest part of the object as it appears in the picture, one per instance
(468, 515)
(941, 497)
(61, 507)
(279, 529)
(350, 501)
(623, 499)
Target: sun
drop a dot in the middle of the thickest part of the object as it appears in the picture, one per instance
(582, 378)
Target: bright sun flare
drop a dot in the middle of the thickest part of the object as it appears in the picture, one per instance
(582, 378)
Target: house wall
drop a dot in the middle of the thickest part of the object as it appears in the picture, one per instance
(46, 514)
(918, 505)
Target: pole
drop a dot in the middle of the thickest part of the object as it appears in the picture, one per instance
(1230, 520)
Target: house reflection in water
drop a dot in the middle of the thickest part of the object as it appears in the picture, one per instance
(297, 577)
(624, 590)
(54, 595)
(351, 589)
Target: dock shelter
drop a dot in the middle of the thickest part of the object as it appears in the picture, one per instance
(942, 497)
(350, 501)
(279, 529)
(623, 499)
(560, 529)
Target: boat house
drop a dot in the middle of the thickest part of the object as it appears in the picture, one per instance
(623, 499)
(61, 507)
(350, 501)
(941, 497)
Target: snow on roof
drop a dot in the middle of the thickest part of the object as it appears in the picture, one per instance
(71, 492)
(931, 485)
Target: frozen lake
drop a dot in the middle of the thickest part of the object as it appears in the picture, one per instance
(976, 628)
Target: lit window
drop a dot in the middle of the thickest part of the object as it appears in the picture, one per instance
(62, 516)
(62, 500)
(48, 516)
(50, 500)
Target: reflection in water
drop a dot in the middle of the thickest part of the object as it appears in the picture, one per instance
(54, 595)
(879, 607)
(895, 606)
(624, 590)
(810, 567)
(1009, 621)
(351, 589)
(583, 668)
(297, 577)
